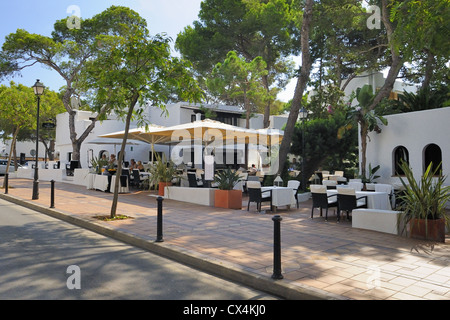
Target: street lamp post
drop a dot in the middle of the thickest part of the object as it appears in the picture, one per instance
(38, 91)
(303, 113)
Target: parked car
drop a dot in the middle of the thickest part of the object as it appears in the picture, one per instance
(3, 163)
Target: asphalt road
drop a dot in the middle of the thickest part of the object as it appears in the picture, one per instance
(45, 258)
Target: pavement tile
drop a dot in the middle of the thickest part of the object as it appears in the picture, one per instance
(328, 258)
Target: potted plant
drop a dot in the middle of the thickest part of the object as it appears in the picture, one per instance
(98, 164)
(423, 208)
(162, 172)
(372, 176)
(225, 196)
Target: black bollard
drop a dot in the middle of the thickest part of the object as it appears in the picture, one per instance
(52, 194)
(6, 182)
(277, 248)
(159, 223)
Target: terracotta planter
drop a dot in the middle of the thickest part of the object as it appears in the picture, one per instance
(161, 187)
(433, 230)
(230, 199)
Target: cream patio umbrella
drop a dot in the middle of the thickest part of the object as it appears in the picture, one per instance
(114, 142)
(209, 132)
(138, 134)
(203, 130)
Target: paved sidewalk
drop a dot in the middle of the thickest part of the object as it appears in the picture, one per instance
(320, 260)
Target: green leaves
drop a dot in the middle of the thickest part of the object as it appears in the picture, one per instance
(226, 179)
(162, 170)
(365, 96)
(323, 146)
(424, 198)
(17, 107)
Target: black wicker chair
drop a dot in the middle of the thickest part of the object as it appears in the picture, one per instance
(136, 182)
(193, 181)
(256, 195)
(347, 201)
(321, 200)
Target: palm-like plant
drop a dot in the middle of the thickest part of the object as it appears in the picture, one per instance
(426, 199)
(367, 119)
(423, 99)
(98, 164)
(226, 179)
(162, 170)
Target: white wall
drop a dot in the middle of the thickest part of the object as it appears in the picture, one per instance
(64, 147)
(376, 80)
(414, 131)
(25, 147)
(176, 114)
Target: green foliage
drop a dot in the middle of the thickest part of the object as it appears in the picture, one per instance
(368, 118)
(252, 29)
(162, 170)
(424, 99)
(238, 82)
(71, 53)
(18, 108)
(226, 179)
(324, 147)
(426, 198)
(342, 47)
(98, 164)
(372, 174)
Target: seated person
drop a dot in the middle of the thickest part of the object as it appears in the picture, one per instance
(293, 165)
(252, 170)
(113, 162)
(140, 166)
(133, 164)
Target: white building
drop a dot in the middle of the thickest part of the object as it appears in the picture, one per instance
(93, 146)
(178, 113)
(418, 137)
(376, 80)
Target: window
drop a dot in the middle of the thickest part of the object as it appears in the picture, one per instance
(400, 154)
(103, 153)
(432, 154)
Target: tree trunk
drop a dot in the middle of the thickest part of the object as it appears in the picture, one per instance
(13, 146)
(300, 87)
(364, 133)
(396, 63)
(51, 151)
(247, 109)
(76, 142)
(266, 121)
(16, 166)
(428, 69)
(121, 155)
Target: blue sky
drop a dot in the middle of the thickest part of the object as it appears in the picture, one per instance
(169, 16)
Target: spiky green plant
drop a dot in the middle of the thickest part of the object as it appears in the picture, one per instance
(424, 199)
(226, 179)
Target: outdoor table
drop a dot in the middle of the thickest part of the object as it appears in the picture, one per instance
(90, 180)
(375, 200)
(101, 182)
(281, 196)
(144, 174)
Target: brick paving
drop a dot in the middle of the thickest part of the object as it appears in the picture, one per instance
(319, 259)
